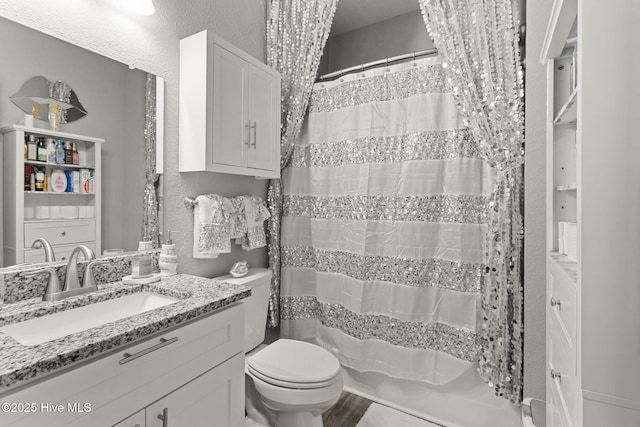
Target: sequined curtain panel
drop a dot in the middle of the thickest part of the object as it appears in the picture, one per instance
(386, 201)
(296, 34)
(150, 210)
(478, 41)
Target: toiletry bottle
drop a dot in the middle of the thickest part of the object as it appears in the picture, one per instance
(39, 178)
(32, 153)
(74, 153)
(68, 153)
(27, 177)
(32, 181)
(59, 152)
(42, 150)
(26, 147)
(51, 150)
(168, 261)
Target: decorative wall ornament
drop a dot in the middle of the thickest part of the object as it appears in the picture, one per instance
(37, 93)
(296, 34)
(479, 43)
(150, 208)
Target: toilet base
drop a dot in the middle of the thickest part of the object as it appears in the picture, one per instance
(297, 419)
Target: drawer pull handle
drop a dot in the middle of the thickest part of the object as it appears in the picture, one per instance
(128, 357)
(555, 302)
(164, 417)
(64, 233)
(556, 375)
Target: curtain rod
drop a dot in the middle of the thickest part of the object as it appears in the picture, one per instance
(373, 64)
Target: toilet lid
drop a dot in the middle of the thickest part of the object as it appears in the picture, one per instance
(294, 364)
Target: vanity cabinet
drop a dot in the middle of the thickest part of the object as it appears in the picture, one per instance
(593, 181)
(229, 110)
(65, 219)
(192, 374)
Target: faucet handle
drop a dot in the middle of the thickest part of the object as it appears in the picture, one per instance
(89, 281)
(53, 287)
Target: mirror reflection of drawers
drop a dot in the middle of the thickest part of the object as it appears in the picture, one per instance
(62, 253)
(60, 232)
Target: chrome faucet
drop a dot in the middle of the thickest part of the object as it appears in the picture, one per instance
(72, 286)
(41, 242)
(71, 281)
(53, 287)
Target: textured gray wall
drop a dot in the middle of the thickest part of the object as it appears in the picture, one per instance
(396, 36)
(151, 43)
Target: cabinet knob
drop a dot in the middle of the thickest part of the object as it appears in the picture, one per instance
(555, 302)
(64, 233)
(164, 417)
(555, 374)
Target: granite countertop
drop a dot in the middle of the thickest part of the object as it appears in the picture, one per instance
(20, 364)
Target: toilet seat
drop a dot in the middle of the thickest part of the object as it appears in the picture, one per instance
(294, 364)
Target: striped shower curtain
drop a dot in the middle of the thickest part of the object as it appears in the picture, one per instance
(385, 211)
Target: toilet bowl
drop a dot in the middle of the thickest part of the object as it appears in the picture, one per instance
(288, 383)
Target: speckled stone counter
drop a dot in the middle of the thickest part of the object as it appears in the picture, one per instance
(20, 364)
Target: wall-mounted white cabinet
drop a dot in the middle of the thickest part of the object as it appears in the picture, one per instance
(65, 218)
(593, 184)
(229, 110)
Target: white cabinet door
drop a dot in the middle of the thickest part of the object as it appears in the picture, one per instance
(135, 420)
(230, 122)
(216, 398)
(263, 115)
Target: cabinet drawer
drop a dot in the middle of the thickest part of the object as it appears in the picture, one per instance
(560, 354)
(118, 385)
(565, 386)
(61, 252)
(61, 232)
(561, 301)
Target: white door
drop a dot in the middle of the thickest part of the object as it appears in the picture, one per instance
(230, 96)
(216, 398)
(135, 420)
(264, 116)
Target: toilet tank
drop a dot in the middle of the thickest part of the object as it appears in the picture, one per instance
(255, 306)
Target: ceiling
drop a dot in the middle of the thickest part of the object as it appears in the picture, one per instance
(354, 14)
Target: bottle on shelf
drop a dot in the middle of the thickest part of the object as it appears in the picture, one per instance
(74, 153)
(32, 152)
(59, 152)
(51, 150)
(68, 154)
(27, 177)
(32, 181)
(39, 178)
(26, 147)
(42, 150)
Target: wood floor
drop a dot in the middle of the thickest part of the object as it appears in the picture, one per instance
(347, 411)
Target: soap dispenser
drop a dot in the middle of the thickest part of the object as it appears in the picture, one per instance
(168, 261)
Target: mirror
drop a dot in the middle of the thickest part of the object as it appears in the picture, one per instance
(113, 96)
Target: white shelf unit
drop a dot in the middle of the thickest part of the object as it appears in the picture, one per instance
(593, 320)
(63, 231)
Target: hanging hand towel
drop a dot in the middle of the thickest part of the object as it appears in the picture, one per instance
(256, 213)
(211, 226)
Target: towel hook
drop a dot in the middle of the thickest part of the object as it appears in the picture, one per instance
(190, 202)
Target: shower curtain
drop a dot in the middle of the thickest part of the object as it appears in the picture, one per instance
(385, 212)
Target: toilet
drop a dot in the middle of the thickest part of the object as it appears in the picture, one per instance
(288, 383)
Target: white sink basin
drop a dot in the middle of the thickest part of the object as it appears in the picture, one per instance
(63, 323)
